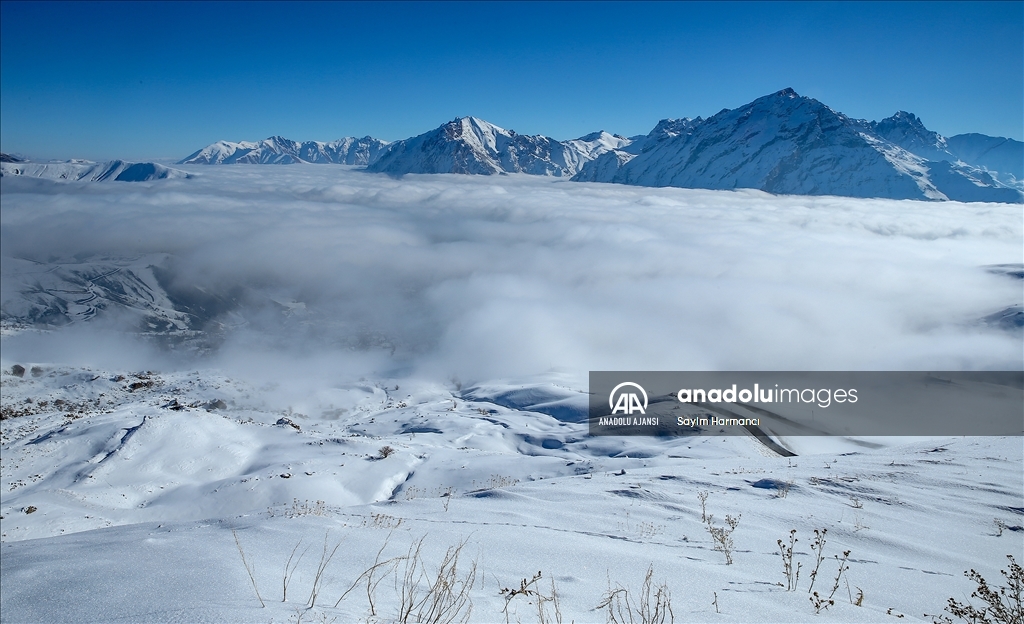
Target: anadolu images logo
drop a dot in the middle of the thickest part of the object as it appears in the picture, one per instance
(627, 402)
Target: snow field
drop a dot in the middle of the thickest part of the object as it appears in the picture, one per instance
(914, 516)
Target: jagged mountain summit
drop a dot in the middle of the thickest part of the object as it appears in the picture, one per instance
(85, 170)
(474, 146)
(278, 150)
(785, 143)
(907, 131)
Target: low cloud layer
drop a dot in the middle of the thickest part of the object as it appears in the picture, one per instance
(487, 277)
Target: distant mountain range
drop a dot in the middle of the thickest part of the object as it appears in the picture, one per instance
(281, 151)
(782, 143)
(73, 170)
(787, 144)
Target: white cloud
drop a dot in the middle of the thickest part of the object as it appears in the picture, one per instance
(485, 277)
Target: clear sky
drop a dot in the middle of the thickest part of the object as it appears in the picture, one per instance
(156, 80)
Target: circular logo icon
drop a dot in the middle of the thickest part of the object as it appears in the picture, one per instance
(627, 402)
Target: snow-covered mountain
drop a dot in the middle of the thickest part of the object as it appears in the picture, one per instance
(278, 150)
(604, 167)
(908, 131)
(72, 170)
(1001, 156)
(788, 144)
(781, 143)
(472, 145)
(62, 293)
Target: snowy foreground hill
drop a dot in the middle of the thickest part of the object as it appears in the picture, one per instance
(209, 384)
(138, 496)
(782, 143)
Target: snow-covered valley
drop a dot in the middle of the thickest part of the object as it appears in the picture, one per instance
(209, 383)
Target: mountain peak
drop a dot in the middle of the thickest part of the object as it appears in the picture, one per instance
(781, 102)
(904, 117)
(909, 132)
(462, 127)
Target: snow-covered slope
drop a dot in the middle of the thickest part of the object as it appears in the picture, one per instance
(1001, 156)
(474, 146)
(143, 497)
(57, 294)
(604, 166)
(71, 170)
(788, 144)
(281, 151)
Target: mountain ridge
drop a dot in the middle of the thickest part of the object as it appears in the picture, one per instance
(784, 143)
(781, 143)
(279, 150)
(84, 170)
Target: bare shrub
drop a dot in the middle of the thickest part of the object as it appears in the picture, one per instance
(820, 603)
(818, 546)
(385, 451)
(792, 574)
(305, 508)
(383, 521)
(325, 560)
(531, 589)
(722, 536)
(250, 568)
(373, 576)
(435, 598)
(289, 569)
(1002, 605)
(445, 598)
(652, 606)
(501, 481)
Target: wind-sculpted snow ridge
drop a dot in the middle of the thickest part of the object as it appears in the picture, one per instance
(278, 150)
(474, 146)
(85, 170)
(788, 144)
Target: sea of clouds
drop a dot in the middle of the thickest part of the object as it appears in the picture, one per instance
(480, 278)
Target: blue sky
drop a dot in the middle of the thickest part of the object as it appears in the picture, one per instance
(160, 80)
